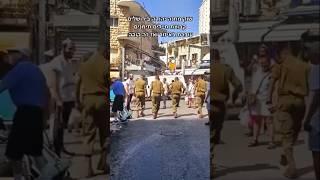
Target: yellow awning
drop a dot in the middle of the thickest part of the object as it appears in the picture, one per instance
(4, 45)
(114, 74)
(14, 40)
(3, 51)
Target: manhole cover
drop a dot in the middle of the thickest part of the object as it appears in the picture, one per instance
(171, 133)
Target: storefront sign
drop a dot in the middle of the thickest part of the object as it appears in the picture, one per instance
(149, 68)
(114, 74)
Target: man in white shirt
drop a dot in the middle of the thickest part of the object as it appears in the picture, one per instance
(65, 82)
(129, 86)
(166, 92)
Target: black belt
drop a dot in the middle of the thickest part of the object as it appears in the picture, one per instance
(95, 94)
(291, 94)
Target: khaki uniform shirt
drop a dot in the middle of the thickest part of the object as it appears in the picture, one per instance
(201, 87)
(176, 87)
(140, 86)
(223, 74)
(292, 77)
(157, 87)
(93, 75)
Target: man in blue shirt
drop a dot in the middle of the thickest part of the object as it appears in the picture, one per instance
(207, 98)
(120, 92)
(27, 87)
(312, 114)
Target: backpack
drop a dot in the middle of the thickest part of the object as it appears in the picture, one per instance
(125, 114)
(112, 95)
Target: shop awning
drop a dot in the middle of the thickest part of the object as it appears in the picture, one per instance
(14, 40)
(217, 34)
(206, 57)
(68, 19)
(135, 8)
(114, 74)
(249, 32)
(195, 71)
(251, 35)
(132, 39)
(290, 32)
(155, 59)
(246, 35)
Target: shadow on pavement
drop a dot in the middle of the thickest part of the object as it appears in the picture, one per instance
(256, 167)
(305, 170)
(299, 142)
(179, 115)
(160, 149)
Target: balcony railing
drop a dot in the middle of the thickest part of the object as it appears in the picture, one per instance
(16, 10)
(87, 6)
(160, 49)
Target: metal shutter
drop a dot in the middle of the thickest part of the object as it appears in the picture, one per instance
(86, 41)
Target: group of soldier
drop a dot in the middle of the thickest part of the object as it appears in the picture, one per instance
(157, 91)
(290, 74)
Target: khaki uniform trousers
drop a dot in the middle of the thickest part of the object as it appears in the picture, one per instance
(216, 119)
(200, 101)
(175, 102)
(156, 99)
(287, 122)
(95, 120)
(140, 102)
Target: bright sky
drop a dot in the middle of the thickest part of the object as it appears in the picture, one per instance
(173, 8)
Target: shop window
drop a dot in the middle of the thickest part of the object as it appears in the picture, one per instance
(114, 22)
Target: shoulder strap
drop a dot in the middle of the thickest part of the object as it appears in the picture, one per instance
(262, 82)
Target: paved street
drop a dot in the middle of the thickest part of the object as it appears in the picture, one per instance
(183, 111)
(236, 161)
(78, 168)
(172, 149)
(165, 148)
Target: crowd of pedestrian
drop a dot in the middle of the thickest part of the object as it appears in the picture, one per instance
(47, 97)
(275, 101)
(135, 92)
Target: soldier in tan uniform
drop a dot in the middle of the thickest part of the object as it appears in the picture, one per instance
(200, 92)
(292, 77)
(176, 88)
(140, 93)
(156, 92)
(92, 96)
(219, 94)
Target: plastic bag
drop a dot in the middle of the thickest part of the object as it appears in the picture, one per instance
(245, 117)
(125, 115)
(7, 107)
(74, 118)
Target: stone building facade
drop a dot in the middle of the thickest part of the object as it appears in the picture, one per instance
(204, 17)
(141, 50)
(188, 52)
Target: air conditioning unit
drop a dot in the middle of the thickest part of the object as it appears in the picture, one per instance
(306, 1)
(51, 2)
(250, 7)
(204, 43)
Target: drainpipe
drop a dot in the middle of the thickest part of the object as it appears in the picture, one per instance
(123, 62)
(42, 31)
(189, 52)
(234, 20)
